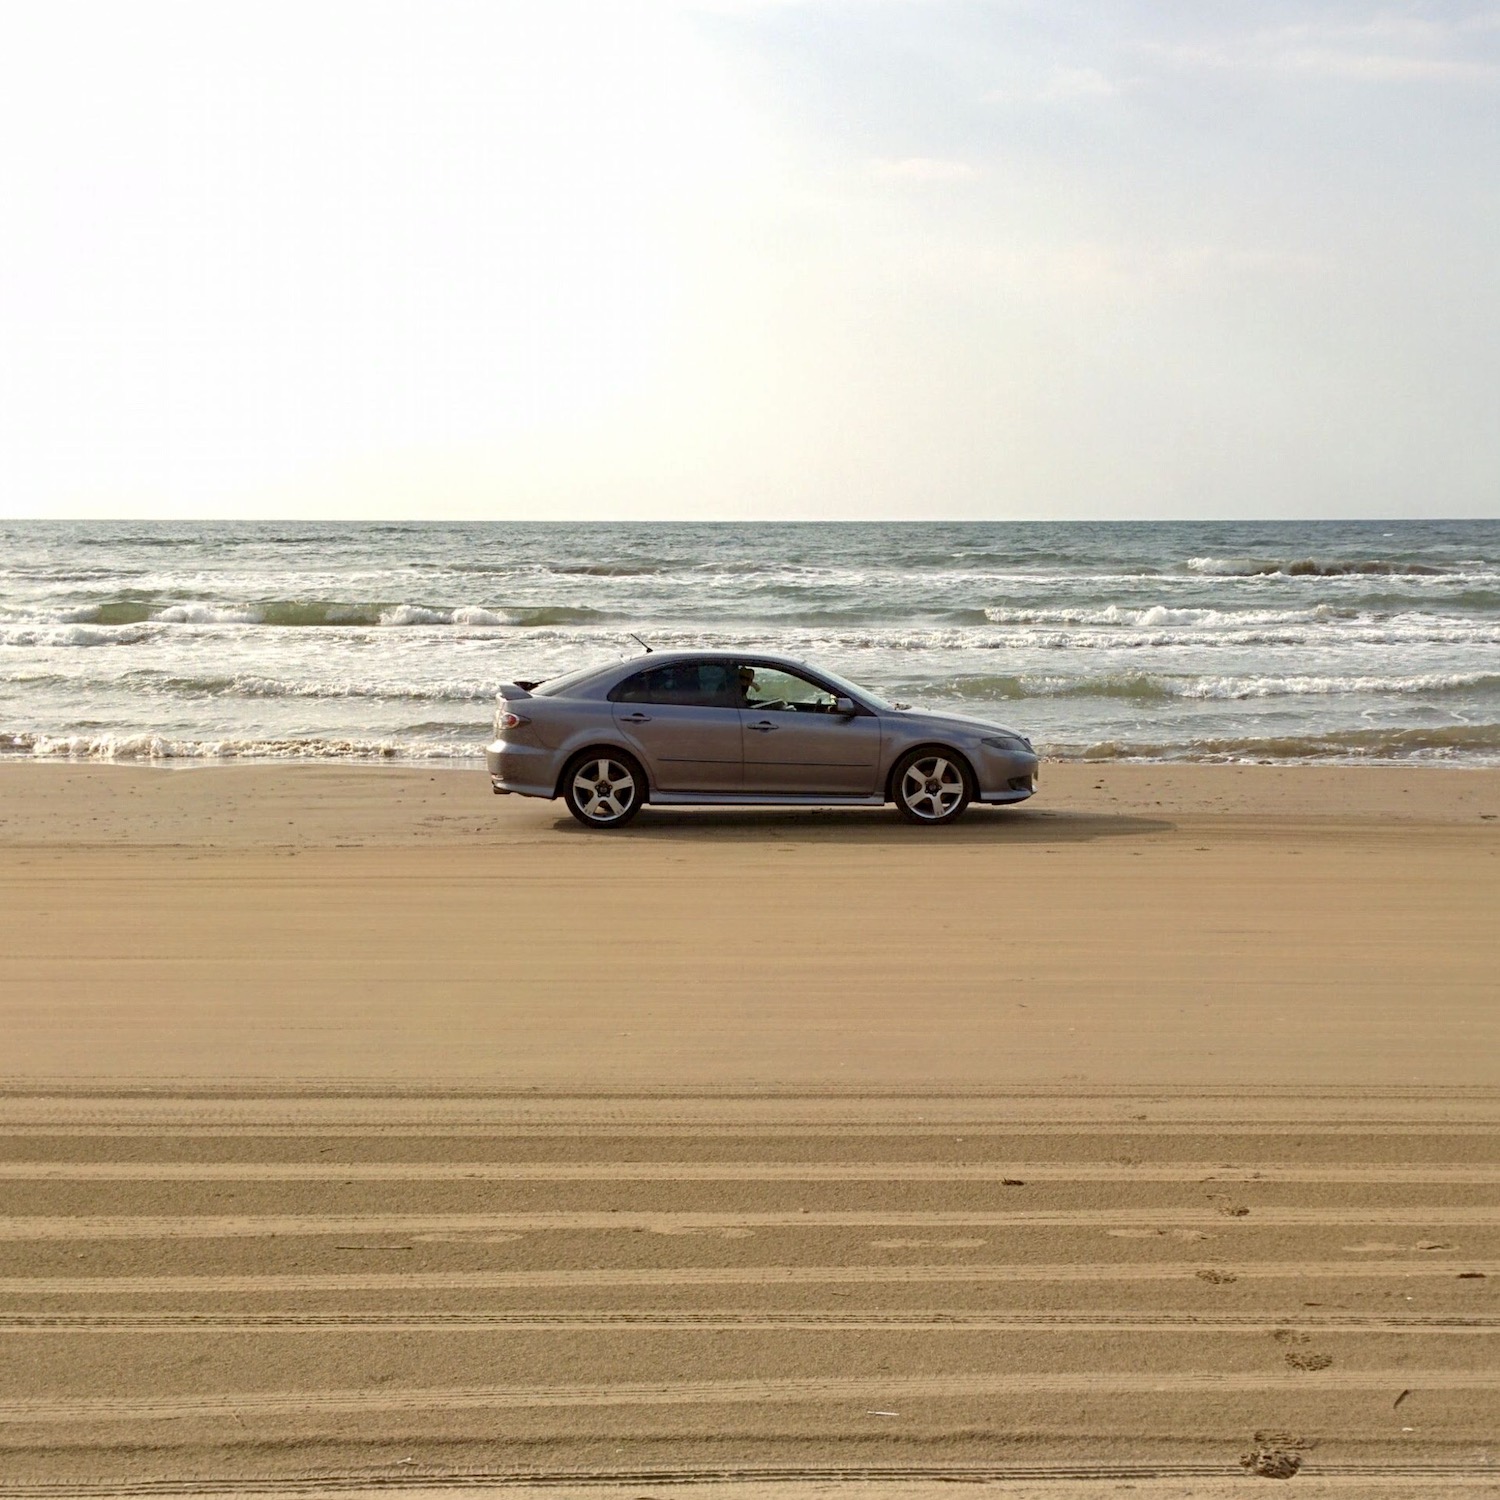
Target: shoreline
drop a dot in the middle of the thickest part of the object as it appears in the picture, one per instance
(465, 762)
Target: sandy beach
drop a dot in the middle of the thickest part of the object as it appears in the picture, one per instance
(358, 1127)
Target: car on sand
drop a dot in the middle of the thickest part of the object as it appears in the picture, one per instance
(726, 728)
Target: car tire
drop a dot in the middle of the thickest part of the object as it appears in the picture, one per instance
(932, 786)
(604, 788)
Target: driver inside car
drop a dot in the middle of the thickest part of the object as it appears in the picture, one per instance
(748, 688)
(803, 697)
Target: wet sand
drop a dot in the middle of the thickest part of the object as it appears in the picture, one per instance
(357, 1127)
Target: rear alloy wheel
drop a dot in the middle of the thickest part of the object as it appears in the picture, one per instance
(604, 791)
(931, 786)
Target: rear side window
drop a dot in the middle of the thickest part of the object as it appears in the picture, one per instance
(695, 684)
(557, 687)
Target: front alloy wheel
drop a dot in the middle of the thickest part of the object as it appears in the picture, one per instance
(931, 787)
(604, 791)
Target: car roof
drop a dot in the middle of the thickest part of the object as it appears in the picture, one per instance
(660, 658)
(665, 658)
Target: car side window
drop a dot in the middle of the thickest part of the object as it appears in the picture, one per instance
(689, 684)
(774, 690)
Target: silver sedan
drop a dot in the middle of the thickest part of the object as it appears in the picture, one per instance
(741, 728)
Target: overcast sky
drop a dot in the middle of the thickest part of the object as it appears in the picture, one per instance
(737, 258)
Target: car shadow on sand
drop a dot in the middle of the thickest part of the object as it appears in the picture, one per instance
(874, 825)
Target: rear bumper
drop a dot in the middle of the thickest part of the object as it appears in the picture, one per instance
(520, 769)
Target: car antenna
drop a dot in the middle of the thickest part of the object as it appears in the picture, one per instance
(633, 636)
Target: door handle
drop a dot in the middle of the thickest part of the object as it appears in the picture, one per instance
(636, 719)
(763, 727)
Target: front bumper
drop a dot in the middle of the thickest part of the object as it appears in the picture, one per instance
(1010, 794)
(1008, 776)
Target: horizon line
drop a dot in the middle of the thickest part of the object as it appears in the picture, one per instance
(376, 520)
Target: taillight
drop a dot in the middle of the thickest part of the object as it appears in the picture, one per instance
(509, 720)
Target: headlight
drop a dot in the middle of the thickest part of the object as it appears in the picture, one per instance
(1010, 742)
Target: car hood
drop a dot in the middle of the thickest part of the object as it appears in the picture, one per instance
(952, 723)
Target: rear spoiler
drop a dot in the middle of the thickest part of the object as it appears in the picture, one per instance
(513, 690)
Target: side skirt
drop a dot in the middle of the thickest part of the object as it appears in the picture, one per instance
(757, 799)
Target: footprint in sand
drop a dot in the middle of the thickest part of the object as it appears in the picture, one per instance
(1298, 1357)
(1270, 1463)
(1311, 1360)
(1276, 1454)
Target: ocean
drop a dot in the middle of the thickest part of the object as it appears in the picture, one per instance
(1248, 641)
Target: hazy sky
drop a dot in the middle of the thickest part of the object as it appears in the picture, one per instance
(737, 258)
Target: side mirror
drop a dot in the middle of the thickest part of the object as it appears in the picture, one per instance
(845, 706)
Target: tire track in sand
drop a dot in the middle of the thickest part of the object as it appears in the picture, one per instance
(739, 1276)
(1006, 1174)
(714, 1393)
(234, 1226)
(651, 1342)
(937, 1320)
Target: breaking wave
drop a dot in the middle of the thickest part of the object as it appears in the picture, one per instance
(205, 614)
(157, 748)
(1308, 567)
(1155, 616)
(305, 614)
(251, 685)
(71, 635)
(606, 570)
(1149, 688)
